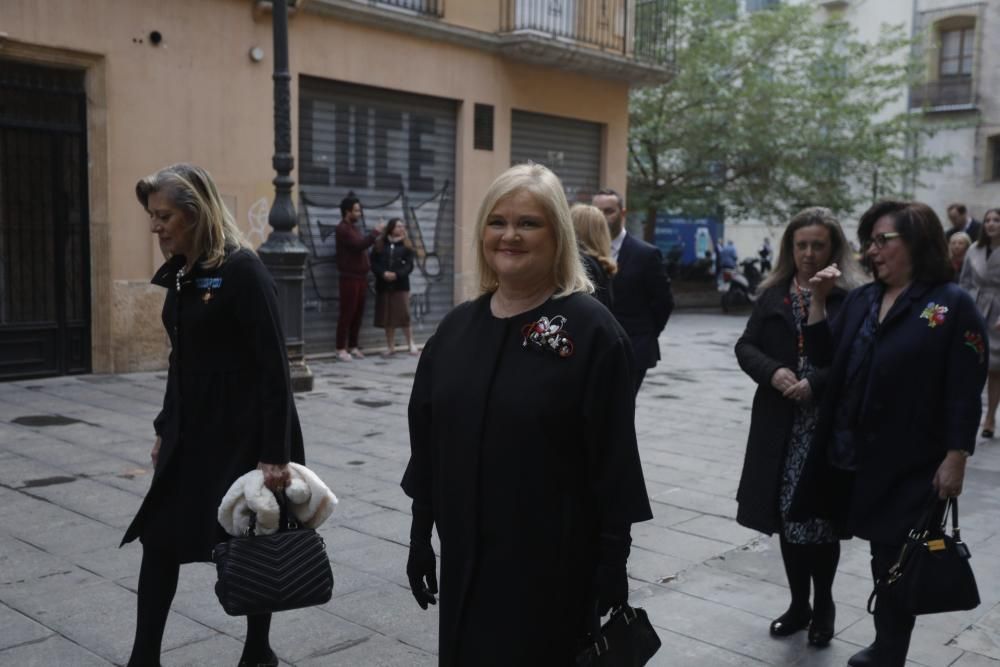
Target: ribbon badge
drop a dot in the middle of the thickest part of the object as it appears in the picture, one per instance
(208, 284)
(934, 314)
(548, 334)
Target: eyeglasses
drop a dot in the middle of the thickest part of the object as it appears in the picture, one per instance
(880, 240)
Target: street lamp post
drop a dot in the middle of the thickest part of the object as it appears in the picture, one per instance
(283, 253)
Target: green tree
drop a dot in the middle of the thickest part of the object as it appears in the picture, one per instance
(772, 111)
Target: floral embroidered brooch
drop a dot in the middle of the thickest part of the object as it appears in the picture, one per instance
(934, 314)
(548, 334)
(974, 341)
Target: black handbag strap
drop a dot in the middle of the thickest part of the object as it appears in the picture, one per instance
(951, 508)
(285, 522)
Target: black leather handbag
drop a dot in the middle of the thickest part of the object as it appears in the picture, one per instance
(627, 639)
(932, 574)
(260, 574)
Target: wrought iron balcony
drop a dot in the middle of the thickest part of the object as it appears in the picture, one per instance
(642, 30)
(943, 95)
(424, 7)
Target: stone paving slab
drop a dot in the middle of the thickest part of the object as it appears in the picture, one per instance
(711, 587)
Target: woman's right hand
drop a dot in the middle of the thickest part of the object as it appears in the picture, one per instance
(823, 282)
(783, 379)
(155, 454)
(389, 276)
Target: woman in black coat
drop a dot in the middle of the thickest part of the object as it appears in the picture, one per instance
(523, 448)
(771, 351)
(907, 357)
(595, 250)
(228, 406)
(392, 263)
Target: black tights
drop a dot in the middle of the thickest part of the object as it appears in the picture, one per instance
(157, 585)
(815, 563)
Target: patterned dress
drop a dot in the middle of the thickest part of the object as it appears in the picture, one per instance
(811, 531)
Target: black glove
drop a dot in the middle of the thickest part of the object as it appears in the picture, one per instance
(421, 565)
(421, 568)
(611, 577)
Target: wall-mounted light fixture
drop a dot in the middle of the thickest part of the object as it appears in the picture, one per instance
(256, 54)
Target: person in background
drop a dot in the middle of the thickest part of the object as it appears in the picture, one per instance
(595, 250)
(643, 298)
(392, 262)
(730, 258)
(771, 351)
(961, 221)
(765, 255)
(523, 446)
(907, 361)
(981, 278)
(228, 405)
(958, 246)
(353, 266)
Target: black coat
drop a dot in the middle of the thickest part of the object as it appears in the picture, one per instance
(922, 399)
(603, 291)
(394, 257)
(228, 403)
(770, 342)
(526, 457)
(643, 299)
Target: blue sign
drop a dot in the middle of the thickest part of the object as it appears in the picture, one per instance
(692, 237)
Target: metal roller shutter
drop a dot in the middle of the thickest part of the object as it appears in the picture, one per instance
(396, 152)
(571, 148)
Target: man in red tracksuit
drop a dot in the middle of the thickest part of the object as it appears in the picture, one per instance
(353, 266)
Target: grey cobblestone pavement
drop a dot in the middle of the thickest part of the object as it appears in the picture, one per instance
(68, 490)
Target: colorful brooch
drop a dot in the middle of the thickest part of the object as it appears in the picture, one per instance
(548, 334)
(974, 341)
(934, 314)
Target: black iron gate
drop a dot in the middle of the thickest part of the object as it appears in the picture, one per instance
(44, 229)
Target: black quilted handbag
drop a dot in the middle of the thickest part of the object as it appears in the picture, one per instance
(260, 574)
(626, 640)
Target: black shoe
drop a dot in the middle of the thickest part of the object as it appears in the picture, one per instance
(988, 433)
(821, 628)
(270, 660)
(867, 657)
(792, 621)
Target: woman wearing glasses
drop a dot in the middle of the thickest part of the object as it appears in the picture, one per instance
(907, 362)
(981, 277)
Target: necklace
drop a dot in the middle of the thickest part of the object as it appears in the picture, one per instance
(802, 294)
(180, 274)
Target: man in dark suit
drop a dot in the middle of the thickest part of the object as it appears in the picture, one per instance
(643, 300)
(961, 221)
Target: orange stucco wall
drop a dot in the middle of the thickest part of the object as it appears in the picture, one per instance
(198, 97)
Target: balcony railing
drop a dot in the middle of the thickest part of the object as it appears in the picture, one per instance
(945, 93)
(606, 25)
(423, 7)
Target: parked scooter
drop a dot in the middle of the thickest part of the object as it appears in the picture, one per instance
(739, 286)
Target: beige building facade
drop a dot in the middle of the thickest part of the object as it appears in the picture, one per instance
(413, 105)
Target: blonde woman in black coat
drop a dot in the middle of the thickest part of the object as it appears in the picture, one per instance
(771, 351)
(595, 250)
(228, 404)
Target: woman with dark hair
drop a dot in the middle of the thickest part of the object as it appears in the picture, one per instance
(907, 361)
(228, 405)
(784, 414)
(392, 262)
(981, 277)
